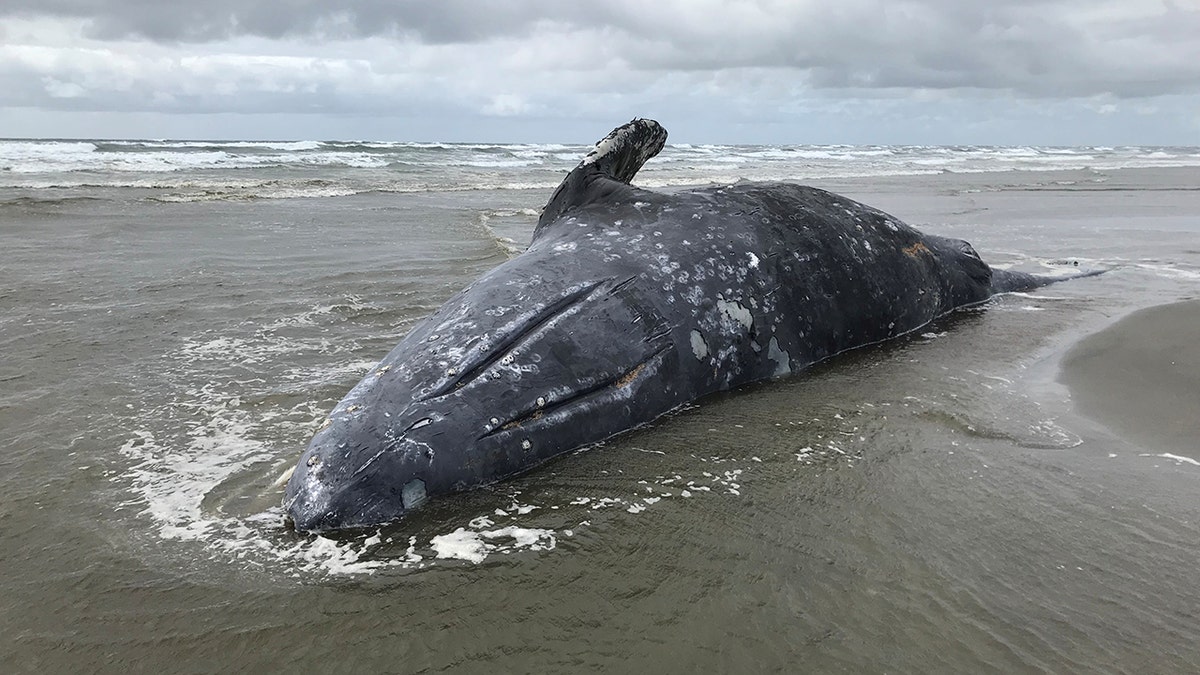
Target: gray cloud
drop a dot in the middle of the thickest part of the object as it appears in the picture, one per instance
(1032, 47)
(447, 21)
(537, 58)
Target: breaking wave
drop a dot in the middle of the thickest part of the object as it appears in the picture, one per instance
(215, 170)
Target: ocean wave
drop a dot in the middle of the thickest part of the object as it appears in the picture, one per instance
(154, 146)
(294, 192)
(41, 202)
(215, 170)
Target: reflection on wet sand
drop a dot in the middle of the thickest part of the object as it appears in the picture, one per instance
(1141, 377)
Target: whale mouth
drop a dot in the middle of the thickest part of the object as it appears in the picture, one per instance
(309, 516)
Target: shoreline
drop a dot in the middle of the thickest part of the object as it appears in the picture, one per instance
(1074, 180)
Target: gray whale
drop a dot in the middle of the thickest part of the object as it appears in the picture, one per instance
(627, 304)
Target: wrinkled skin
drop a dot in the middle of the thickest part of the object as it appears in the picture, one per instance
(627, 304)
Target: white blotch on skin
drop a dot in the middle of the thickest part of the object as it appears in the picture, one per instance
(699, 346)
(413, 493)
(735, 311)
(780, 357)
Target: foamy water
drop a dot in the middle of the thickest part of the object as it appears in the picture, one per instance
(204, 432)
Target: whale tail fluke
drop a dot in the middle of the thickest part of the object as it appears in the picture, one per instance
(609, 167)
(1007, 281)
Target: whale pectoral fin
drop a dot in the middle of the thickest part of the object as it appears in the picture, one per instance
(621, 153)
(607, 169)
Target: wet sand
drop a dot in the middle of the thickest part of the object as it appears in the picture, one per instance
(1141, 378)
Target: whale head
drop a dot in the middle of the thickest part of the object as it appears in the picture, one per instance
(501, 378)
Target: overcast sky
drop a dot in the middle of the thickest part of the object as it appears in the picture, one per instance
(1013, 72)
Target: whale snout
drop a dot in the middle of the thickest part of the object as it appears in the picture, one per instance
(327, 492)
(321, 510)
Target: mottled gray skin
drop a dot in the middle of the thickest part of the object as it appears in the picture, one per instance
(627, 304)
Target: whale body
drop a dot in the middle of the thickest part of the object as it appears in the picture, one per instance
(628, 303)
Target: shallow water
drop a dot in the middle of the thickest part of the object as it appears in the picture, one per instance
(936, 504)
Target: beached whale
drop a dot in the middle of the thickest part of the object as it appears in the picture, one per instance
(627, 304)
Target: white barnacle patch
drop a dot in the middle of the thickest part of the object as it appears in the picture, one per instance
(565, 247)
(525, 444)
(699, 346)
(753, 260)
(735, 311)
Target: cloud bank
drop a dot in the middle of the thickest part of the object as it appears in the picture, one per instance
(516, 62)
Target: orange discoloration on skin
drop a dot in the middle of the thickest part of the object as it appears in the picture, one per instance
(516, 424)
(916, 248)
(630, 376)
